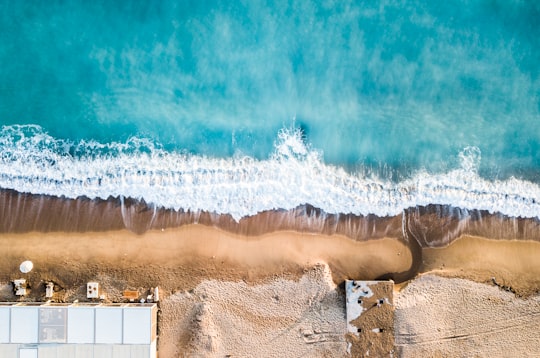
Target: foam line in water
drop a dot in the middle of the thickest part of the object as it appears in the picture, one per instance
(32, 161)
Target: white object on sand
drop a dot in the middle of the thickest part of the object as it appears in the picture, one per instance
(20, 287)
(49, 290)
(26, 266)
(92, 290)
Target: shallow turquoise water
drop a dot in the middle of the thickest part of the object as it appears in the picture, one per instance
(384, 86)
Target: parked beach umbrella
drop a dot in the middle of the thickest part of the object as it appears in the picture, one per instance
(26, 266)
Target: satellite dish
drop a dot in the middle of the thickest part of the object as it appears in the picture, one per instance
(26, 266)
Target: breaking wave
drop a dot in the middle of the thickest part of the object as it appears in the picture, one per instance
(34, 162)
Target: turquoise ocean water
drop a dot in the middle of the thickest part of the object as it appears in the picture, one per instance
(241, 106)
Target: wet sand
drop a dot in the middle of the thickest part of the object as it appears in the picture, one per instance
(510, 263)
(429, 226)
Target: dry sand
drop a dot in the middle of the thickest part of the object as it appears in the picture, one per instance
(282, 318)
(442, 317)
(278, 294)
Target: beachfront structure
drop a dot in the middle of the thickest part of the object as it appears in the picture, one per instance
(370, 318)
(46, 330)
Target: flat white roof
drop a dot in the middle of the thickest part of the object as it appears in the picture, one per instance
(42, 323)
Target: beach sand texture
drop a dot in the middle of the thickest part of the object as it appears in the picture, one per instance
(279, 293)
(272, 285)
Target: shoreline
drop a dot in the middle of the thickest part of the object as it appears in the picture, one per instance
(431, 226)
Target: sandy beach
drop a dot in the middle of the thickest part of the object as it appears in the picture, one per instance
(272, 294)
(509, 263)
(272, 284)
(196, 248)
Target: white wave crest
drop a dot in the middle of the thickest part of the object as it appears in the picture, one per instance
(34, 162)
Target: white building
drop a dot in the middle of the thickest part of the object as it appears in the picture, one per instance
(46, 330)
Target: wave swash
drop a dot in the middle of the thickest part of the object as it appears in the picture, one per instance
(31, 161)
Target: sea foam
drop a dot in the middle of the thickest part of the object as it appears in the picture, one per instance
(32, 161)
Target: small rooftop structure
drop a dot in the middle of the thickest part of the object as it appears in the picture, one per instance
(92, 290)
(80, 329)
(49, 290)
(19, 287)
(370, 318)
